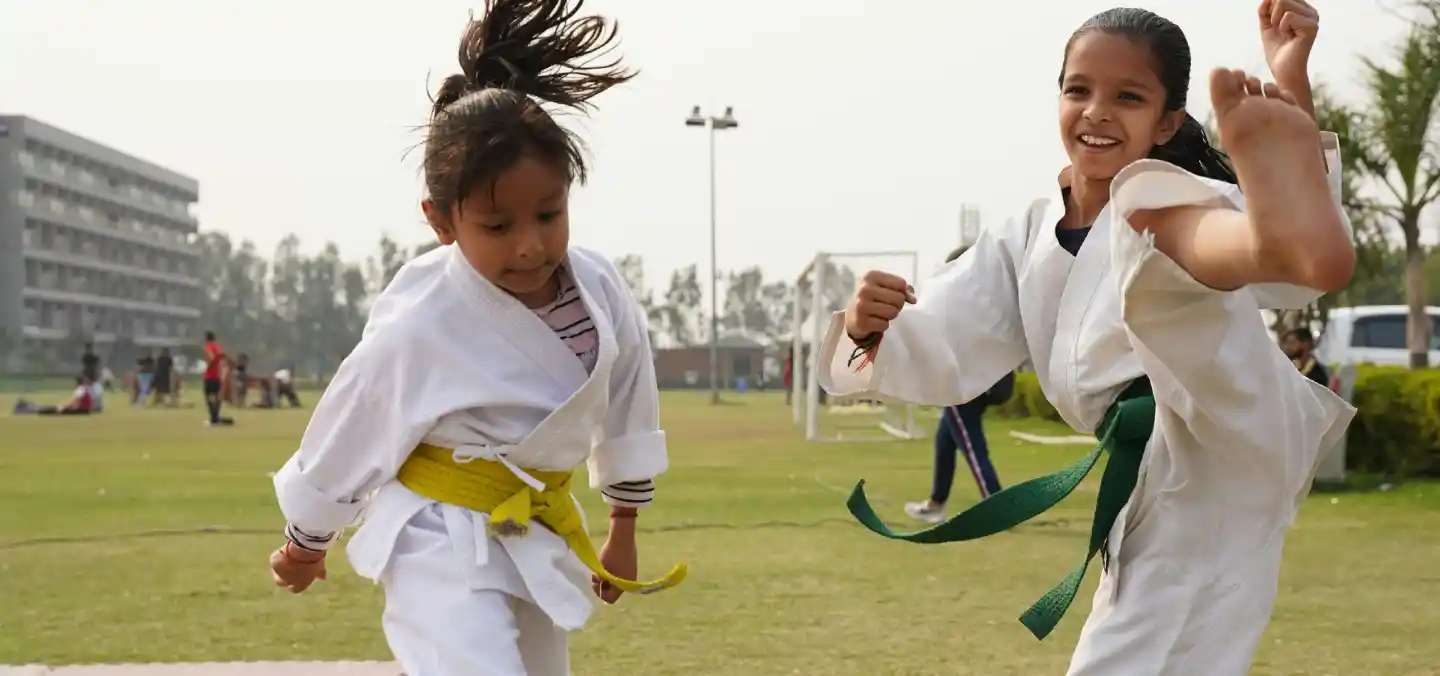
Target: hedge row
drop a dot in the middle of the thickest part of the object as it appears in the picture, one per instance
(1396, 432)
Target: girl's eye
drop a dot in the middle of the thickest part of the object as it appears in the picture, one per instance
(1131, 97)
(549, 216)
(1076, 90)
(495, 228)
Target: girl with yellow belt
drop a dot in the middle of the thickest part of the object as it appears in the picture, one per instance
(490, 368)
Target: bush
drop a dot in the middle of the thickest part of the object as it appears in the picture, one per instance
(1396, 431)
(1027, 401)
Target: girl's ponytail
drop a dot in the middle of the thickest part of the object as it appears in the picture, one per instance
(1190, 150)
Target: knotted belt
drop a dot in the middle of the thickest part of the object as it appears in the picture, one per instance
(493, 488)
(1124, 432)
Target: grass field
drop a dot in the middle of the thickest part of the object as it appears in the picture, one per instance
(141, 536)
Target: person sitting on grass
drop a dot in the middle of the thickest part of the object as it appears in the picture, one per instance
(82, 401)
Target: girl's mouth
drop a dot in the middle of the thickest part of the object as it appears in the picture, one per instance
(1097, 142)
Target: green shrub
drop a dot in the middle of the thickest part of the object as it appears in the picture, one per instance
(1027, 401)
(1396, 431)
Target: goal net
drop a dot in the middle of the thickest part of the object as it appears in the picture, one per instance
(823, 288)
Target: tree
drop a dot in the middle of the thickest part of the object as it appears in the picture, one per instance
(381, 267)
(680, 314)
(1399, 152)
(632, 269)
(322, 322)
(354, 301)
(777, 298)
(286, 286)
(744, 306)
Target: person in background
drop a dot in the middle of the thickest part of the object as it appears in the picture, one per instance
(785, 378)
(82, 402)
(285, 386)
(90, 371)
(1299, 345)
(90, 364)
(240, 380)
(164, 374)
(961, 430)
(144, 378)
(214, 363)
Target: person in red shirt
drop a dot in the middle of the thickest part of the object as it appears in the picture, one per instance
(214, 361)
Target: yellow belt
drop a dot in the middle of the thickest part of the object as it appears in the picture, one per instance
(490, 487)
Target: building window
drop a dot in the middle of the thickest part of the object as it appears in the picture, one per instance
(25, 198)
(87, 214)
(27, 159)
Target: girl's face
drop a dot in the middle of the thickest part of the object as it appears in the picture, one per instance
(515, 236)
(1112, 105)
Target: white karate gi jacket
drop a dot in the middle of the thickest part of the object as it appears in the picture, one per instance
(450, 359)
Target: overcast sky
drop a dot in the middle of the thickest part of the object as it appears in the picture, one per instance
(862, 127)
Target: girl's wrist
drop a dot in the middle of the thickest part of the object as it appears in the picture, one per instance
(297, 554)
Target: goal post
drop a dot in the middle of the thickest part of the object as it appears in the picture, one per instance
(822, 289)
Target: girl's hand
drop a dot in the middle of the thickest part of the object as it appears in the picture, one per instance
(295, 569)
(1287, 31)
(876, 303)
(619, 556)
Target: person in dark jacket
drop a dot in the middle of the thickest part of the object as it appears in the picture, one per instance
(1299, 345)
(960, 432)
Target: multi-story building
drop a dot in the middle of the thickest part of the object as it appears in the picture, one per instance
(95, 246)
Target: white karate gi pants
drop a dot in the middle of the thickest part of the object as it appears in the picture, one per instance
(437, 625)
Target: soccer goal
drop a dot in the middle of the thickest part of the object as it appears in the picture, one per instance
(822, 289)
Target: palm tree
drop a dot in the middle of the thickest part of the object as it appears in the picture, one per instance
(1398, 149)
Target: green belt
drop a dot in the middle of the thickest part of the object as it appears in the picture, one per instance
(1124, 433)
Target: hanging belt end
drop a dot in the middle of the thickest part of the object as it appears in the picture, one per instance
(1038, 623)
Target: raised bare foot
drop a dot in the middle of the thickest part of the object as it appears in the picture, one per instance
(1275, 147)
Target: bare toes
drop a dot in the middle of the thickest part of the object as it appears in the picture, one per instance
(1271, 90)
(1253, 86)
(1227, 88)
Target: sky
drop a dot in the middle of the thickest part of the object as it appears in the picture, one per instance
(862, 127)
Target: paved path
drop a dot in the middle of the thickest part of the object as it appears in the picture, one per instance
(214, 669)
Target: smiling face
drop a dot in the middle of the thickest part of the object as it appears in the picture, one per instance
(516, 234)
(1112, 104)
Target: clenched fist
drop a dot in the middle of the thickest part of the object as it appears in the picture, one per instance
(877, 302)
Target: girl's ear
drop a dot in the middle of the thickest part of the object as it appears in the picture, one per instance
(439, 222)
(1168, 126)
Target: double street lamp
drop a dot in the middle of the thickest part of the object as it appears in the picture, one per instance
(716, 123)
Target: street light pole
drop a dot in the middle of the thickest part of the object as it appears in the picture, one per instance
(716, 124)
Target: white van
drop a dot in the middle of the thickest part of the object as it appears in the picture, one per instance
(1372, 334)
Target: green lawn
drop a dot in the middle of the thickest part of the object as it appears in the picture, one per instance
(141, 535)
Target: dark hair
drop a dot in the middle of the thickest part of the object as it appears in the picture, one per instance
(519, 54)
(1189, 148)
(956, 254)
(1301, 334)
(209, 335)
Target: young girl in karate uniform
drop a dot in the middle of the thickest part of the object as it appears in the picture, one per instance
(489, 369)
(1134, 287)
